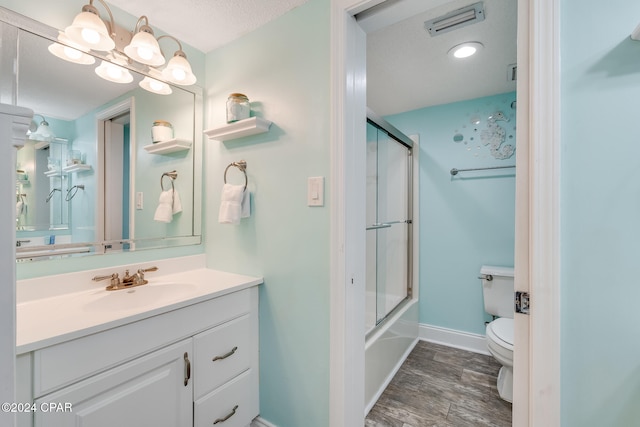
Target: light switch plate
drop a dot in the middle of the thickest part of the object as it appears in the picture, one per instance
(315, 191)
(139, 200)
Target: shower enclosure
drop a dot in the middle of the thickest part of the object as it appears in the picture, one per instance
(391, 309)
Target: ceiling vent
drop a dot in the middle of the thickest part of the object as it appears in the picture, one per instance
(457, 19)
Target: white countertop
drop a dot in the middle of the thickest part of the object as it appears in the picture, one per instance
(57, 318)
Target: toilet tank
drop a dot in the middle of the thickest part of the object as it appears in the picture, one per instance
(497, 290)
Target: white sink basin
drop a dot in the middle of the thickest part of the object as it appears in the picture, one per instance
(152, 294)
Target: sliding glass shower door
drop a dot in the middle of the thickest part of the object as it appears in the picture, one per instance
(389, 206)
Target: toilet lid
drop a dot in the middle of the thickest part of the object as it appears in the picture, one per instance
(503, 329)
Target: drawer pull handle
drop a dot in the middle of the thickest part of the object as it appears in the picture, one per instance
(231, 414)
(224, 356)
(187, 369)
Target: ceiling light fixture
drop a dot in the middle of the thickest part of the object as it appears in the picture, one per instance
(89, 31)
(465, 50)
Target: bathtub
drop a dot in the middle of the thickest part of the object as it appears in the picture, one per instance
(387, 346)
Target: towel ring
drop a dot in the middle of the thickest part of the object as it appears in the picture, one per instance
(172, 175)
(242, 165)
(71, 193)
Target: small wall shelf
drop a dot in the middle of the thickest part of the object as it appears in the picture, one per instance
(170, 146)
(79, 167)
(52, 173)
(239, 129)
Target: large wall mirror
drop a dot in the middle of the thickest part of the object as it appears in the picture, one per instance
(91, 179)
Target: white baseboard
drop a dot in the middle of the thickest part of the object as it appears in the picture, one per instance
(260, 422)
(452, 338)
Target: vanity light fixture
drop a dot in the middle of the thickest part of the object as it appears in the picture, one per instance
(89, 31)
(465, 50)
(178, 70)
(144, 47)
(42, 132)
(154, 85)
(70, 51)
(114, 72)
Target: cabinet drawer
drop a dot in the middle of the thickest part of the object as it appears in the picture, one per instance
(221, 353)
(235, 403)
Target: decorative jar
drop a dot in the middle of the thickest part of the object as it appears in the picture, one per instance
(238, 107)
(161, 131)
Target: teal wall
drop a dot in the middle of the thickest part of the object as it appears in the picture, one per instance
(600, 205)
(283, 67)
(465, 221)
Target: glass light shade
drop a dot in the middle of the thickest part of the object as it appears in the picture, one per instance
(90, 31)
(114, 73)
(155, 86)
(178, 70)
(70, 51)
(43, 133)
(144, 48)
(465, 50)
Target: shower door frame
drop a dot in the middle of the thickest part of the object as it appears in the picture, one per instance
(399, 137)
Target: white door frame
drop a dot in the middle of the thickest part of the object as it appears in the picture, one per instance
(123, 107)
(537, 252)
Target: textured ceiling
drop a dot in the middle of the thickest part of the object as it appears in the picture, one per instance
(207, 24)
(408, 69)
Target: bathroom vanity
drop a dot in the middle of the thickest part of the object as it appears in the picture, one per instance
(179, 351)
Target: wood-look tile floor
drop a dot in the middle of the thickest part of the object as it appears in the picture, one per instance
(444, 387)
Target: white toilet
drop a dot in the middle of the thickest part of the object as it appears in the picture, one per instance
(497, 289)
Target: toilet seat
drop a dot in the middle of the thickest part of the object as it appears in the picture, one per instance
(502, 328)
(500, 340)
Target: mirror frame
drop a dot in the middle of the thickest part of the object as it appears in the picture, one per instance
(12, 24)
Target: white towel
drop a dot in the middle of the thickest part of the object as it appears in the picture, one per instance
(177, 204)
(164, 211)
(19, 208)
(234, 204)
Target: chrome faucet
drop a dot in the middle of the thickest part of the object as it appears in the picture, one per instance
(128, 281)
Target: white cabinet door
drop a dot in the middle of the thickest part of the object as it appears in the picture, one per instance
(148, 391)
